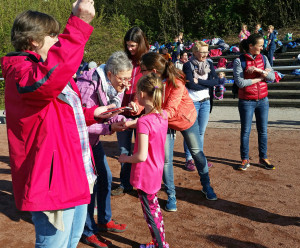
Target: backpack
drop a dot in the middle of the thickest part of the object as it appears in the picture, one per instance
(235, 88)
(222, 63)
(275, 32)
(288, 37)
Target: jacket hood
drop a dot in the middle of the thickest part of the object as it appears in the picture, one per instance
(11, 60)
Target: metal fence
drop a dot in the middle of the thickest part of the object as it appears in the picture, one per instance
(275, 68)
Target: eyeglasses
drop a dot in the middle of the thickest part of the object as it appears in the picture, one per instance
(124, 79)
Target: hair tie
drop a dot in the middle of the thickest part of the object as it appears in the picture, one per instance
(156, 87)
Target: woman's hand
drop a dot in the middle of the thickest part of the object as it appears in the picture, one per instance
(123, 158)
(118, 126)
(251, 69)
(98, 113)
(84, 9)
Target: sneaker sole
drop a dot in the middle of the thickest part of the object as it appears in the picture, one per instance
(171, 210)
(92, 244)
(213, 199)
(267, 167)
(111, 230)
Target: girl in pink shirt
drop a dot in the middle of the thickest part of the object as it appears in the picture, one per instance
(148, 155)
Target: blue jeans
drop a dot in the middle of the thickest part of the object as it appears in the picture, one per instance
(271, 55)
(48, 236)
(125, 141)
(102, 189)
(203, 109)
(261, 110)
(192, 138)
(168, 173)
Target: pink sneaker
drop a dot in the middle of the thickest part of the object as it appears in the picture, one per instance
(189, 165)
(209, 165)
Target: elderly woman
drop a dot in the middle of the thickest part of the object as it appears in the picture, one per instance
(102, 86)
(251, 71)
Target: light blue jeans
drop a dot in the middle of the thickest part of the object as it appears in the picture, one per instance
(48, 236)
(125, 142)
(261, 110)
(192, 139)
(203, 109)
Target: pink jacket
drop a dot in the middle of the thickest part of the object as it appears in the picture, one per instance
(92, 94)
(44, 147)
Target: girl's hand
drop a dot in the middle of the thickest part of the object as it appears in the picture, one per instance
(123, 158)
(84, 9)
(131, 124)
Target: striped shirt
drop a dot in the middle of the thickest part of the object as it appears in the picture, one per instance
(75, 103)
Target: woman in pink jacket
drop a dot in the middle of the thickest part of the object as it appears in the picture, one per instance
(50, 157)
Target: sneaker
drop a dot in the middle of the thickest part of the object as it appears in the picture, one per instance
(171, 204)
(209, 193)
(148, 245)
(266, 163)
(112, 226)
(189, 165)
(120, 191)
(244, 165)
(209, 165)
(117, 191)
(95, 241)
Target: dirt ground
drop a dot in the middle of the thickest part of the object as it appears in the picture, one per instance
(256, 208)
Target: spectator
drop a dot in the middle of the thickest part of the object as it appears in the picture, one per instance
(183, 59)
(258, 29)
(165, 54)
(253, 97)
(92, 65)
(219, 89)
(271, 46)
(103, 86)
(51, 164)
(244, 33)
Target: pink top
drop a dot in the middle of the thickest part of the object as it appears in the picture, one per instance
(147, 175)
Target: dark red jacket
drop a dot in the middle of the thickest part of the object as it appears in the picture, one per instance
(255, 91)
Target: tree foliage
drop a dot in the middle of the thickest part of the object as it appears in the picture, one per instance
(161, 20)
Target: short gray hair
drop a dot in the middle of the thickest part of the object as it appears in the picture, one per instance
(118, 62)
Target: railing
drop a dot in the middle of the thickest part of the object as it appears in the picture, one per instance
(275, 68)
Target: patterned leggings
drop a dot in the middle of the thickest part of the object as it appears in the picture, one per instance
(153, 217)
(219, 92)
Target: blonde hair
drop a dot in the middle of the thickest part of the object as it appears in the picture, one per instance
(198, 45)
(244, 25)
(271, 27)
(152, 85)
